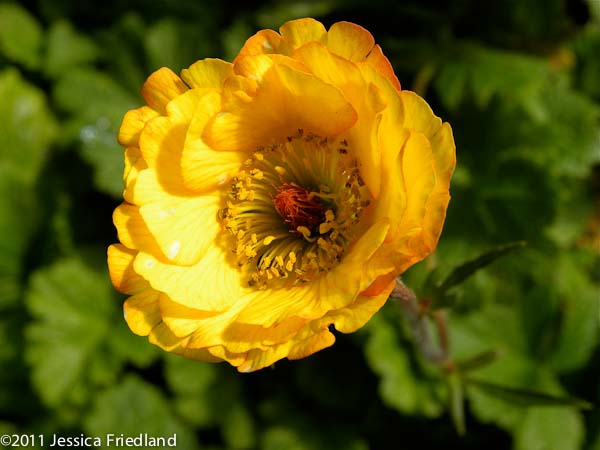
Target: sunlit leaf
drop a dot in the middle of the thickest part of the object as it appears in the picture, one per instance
(27, 127)
(20, 35)
(67, 49)
(405, 385)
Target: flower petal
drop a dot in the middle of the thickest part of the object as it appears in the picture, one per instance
(133, 123)
(286, 100)
(161, 87)
(381, 64)
(207, 73)
(203, 168)
(263, 42)
(122, 275)
(183, 227)
(212, 284)
(333, 290)
(132, 229)
(350, 41)
(296, 33)
(142, 313)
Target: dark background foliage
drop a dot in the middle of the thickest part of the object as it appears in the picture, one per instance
(519, 80)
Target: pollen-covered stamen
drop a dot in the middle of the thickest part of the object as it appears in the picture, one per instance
(293, 209)
(298, 207)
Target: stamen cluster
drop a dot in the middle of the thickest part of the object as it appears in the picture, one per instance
(292, 209)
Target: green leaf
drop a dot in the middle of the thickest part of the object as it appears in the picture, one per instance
(406, 385)
(20, 35)
(238, 428)
(193, 384)
(27, 127)
(98, 105)
(461, 273)
(134, 407)
(67, 344)
(17, 224)
(526, 397)
(550, 428)
(67, 49)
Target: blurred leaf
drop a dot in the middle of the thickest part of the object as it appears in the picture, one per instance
(20, 35)
(98, 105)
(405, 385)
(294, 437)
(17, 223)
(579, 329)
(461, 273)
(72, 305)
(238, 428)
(133, 407)
(550, 429)
(27, 127)
(470, 69)
(193, 382)
(526, 397)
(67, 49)
(78, 340)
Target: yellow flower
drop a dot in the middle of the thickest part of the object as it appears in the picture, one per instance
(273, 198)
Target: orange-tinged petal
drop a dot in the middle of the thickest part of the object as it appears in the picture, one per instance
(381, 64)
(141, 312)
(122, 275)
(207, 73)
(286, 100)
(132, 229)
(183, 227)
(133, 123)
(353, 317)
(212, 284)
(296, 33)
(419, 179)
(263, 42)
(161, 87)
(418, 115)
(350, 41)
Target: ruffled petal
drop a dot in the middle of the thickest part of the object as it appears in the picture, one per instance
(142, 313)
(161, 87)
(263, 42)
(207, 73)
(122, 275)
(132, 229)
(212, 284)
(296, 33)
(285, 101)
(350, 41)
(133, 123)
(203, 168)
(381, 64)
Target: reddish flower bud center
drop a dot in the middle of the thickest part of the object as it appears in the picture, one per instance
(298, 207)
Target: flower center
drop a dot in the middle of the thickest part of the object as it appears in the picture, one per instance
(293, 209)
(298, 207)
